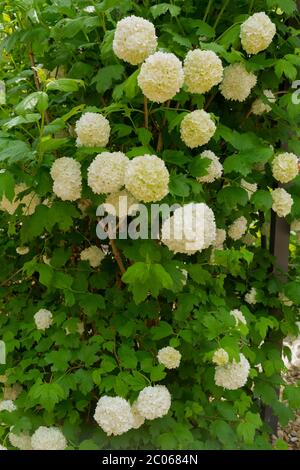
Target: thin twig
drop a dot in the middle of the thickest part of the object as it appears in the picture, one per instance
(117, 255)
(146, 117)
(160, 140)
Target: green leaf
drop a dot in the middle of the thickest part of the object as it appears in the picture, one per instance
(7, 185)
(144, 135)
(162, 8)
(106, 76)
(244, 161)
(224, 433)
(46, 394)
(127, 357)
(246, 430)
(178, 185)
(157, 373)
(199, 166)
(163, 330)
(88, 444)
(232, 196)
(20, 120)
(262, 200)
(65, 84)
(13, 151)
(288, 6)
(38, 99)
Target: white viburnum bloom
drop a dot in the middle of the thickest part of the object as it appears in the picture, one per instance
(92, 130)
(161, 77)
(89, 9)
(43, 319)
(220, 238)
(22, 250)
(20, 441)
(285, 167)
(202, 70)
(106, 173)
(257, 33)
(238, 316)
(121, 204)
(147, 178)
(50, 438)
(237, 83)
(66, 175)
(169, 357)
(29, 201)
(7, 405)
(285, 300)
(233, 375)
(295, 225)
(197, 128)
(2, 447)
(238, 228)
(191, 228)
(134, 39)
(154, 402)
(282, 202)
(250, 297)
(251, 188)
(138, 419)
(259, 107)
(214, 170)
(93, 255)
(220, 357)
(114, 415)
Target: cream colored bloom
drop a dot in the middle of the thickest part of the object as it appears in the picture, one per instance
(7, 405)
(43, 319)
(237, 83)
(220, 357)
(214, 170)
(238, 228)
(154, 402)
(233, 375)
(251, 188)
(138, 419)
(93, 255)
(282, 202)
(220, 238)
(197, 128)
(48, 439)
(147, 178)
(92, 130)
(259, 107)
(239, 317)
(202, 70)
(114, 415)
(107, 171)
(2, 447)
(161, 77)
(285, 167)
(169, 357)
(29, 201)
(250, 297)
(22, 250)
(20, 441)
(295, 226)
(285, 300)
(120, 204)
(66, 175)
(134, 39)
(257, 33)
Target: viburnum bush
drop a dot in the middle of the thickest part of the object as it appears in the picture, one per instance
(142, 343)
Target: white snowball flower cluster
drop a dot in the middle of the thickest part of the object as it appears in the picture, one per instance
(138, 419)
(20, 441)
(214, 170)
(220, 238)
(169, 357)
(248, 239)
(251, 188)
(233, 375)
(257, 33)
(22, 250)
(250, 297)
(29, 201)
(259, 107)
(237, 229)
(191, 228)
(106, 172)
(114, 415)
(134, 39)
(154, 402)
(161, 77)
(43, 319)
(92, 130)
(220, 357)
(282, 202)
(66, 175)
(239, 317)
(295, 225)
(120, 204)
(237, 83)
(285, 167)
(197, 128)
(202, 70)
(7, 405)
(48, 439)
(147, 178)
(93, 255)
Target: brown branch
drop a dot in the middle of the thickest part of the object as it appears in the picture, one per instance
(146, 114)
(160, 141)
(117, 255)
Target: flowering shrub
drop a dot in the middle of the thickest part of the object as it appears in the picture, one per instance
(160, 343)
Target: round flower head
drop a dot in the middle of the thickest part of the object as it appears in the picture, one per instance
(285, 167)
(257, 33)
(120, 204)
(154, 402)
(295, 225)
(7, 405)
(197, 128)
(220, 238)
(106, 172)
(48, 439)
(191, 228)
(66, 175)
(220, 357)
(92, 130)
(237, 83)
(20, 441)
(250, 297)
(202, 70)
(214, 170)
(138, 419)
(239, 317)
(282, 202)
(2, 447)
(134, 39)
(43, 319)
(238, 228)
(114, 416)
(29, 201)
(233, 375)
(161, 77)
(22, 250)
(93, 255)
(169, 357)
(259, 107)
(251, 188)
(147, 178)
